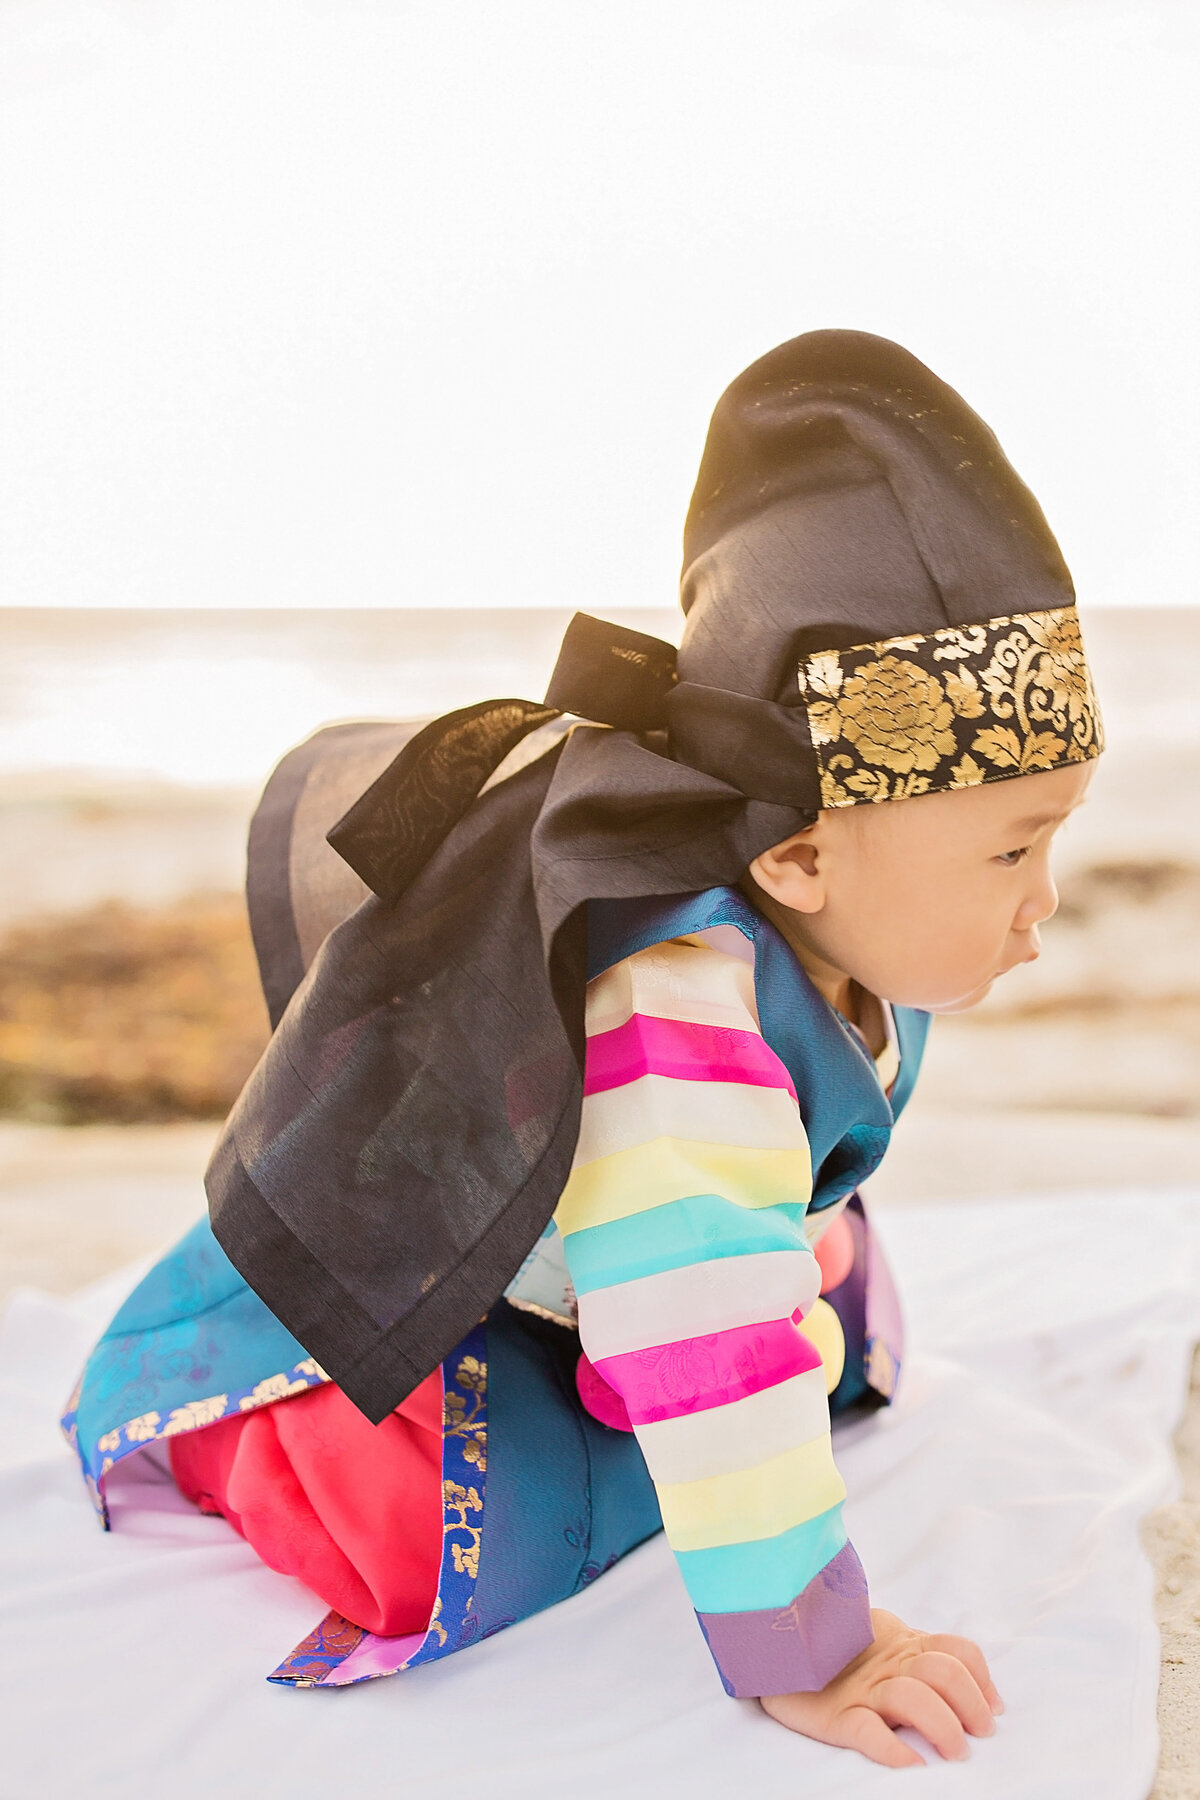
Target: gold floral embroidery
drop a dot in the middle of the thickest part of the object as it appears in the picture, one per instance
(461, 1500)
(475, 1450)
(958, 707)
(275, 1387)
(466, 1559)
(472, 1374)
(110, 1441)
(892, 713)
(464, 1417)
(143, 1428)
(435, 1624)
(458, 1500)
(194, 1413)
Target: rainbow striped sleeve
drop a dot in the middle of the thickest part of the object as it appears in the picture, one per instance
(683, 1229)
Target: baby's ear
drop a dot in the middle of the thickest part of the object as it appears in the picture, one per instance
(790, 872)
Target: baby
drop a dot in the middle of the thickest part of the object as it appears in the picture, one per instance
(538, 1226)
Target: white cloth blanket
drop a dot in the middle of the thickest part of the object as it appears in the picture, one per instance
(1049, 1350)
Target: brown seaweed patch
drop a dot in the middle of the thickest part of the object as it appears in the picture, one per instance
(129, 1016)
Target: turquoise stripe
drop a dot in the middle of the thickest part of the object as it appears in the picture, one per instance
(767, 1572)
(702, 1228)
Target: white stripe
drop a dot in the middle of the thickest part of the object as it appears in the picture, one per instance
(725, 938)
(702, 1297)
(697, 1112)
(740, 1435)
(674, 981)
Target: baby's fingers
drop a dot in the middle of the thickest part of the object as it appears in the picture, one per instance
(866, 1732)
(970, 1654)
(948, 1676)
(903, 1700)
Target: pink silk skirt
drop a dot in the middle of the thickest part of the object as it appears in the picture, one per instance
(350, 1508)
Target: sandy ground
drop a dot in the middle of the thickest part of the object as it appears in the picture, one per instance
(76, 1204)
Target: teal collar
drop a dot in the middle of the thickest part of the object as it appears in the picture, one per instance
(847, 1116)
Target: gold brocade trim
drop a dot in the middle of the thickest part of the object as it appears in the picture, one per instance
(543, 1312)
(464, 1416)
(953, 708)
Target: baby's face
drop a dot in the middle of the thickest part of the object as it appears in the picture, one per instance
(925, 902)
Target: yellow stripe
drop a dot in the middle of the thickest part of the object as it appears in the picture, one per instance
(665, 1169)
(752, 1503)
(823, 1329)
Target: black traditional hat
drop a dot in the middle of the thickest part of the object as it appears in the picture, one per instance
(876, 608)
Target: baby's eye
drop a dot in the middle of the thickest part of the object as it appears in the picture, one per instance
(1011, 858)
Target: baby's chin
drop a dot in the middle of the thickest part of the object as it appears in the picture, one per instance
(965, 1002)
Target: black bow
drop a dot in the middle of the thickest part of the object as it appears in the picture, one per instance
(609, 675)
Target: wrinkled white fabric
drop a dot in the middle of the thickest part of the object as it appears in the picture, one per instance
(1048, 1358)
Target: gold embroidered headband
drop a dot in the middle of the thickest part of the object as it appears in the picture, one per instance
(952, 708)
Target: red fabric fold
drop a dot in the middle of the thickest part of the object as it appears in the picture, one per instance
(350, 1508)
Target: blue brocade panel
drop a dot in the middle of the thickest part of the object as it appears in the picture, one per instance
(566, 1496)
(190, 1345)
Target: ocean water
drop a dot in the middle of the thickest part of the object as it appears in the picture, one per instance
(212, 699)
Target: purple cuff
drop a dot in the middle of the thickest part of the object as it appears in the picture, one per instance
(801, 1648)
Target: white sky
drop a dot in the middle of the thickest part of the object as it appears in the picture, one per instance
(360, 303)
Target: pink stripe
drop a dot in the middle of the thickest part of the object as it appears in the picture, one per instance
(675, 1047)
(696, 1374)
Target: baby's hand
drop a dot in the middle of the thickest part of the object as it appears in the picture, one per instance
(938, 1684)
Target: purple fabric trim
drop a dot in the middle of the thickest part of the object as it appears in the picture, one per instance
(884, 1345)
(868, 1309)
(801, 1648)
